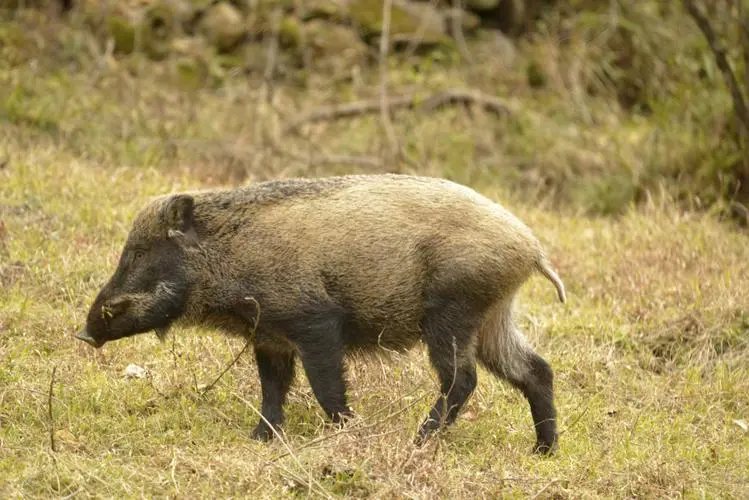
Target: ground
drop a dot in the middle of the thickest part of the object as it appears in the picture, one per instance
(650, 353)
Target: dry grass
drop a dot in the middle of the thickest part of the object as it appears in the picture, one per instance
(651, 353)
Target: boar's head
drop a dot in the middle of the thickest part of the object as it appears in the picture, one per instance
(149, 288)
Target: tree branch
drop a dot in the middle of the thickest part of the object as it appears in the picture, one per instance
(393, 148)
(721, 59)
(493, 104)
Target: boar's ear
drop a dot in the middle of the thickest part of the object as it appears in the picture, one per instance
(178, 219)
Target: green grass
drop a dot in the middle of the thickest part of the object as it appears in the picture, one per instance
(650, 354)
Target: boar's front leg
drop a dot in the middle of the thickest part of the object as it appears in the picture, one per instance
(276, 369)
(275, 364)
(319, 339)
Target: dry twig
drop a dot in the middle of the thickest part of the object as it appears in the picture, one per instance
(49, 410)
(250, 337)
(312, 482)
(351, 429)
(542, 490)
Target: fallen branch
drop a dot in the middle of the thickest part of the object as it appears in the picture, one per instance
(408, 101)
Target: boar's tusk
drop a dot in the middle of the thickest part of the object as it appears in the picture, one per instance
(161, 333)
(87, 338)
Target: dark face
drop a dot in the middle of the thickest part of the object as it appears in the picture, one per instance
(148, 291)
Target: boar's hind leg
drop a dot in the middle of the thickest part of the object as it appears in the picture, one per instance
(448, 331)
(504, 351)
(276, 369)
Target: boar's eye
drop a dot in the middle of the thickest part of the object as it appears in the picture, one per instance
(138, 254)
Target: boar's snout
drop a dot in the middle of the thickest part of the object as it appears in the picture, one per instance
(101, 317)
(87, 338)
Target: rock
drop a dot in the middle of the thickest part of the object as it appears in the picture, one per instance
(255, 60)
(335, 10)
(258, 26)
(290, 32)
(481, 4)
(200, 5)
(256, 56)
(429, 20)
(510, 16)
(159, 25)
(223, 26)
(468, 20)
(122, 31)
(536, 75)
(405, 21)
(243, 6)
(187, 46)
(333, 46)
(192, 73)
(135, 371)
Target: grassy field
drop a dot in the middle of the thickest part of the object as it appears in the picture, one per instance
(651, 353)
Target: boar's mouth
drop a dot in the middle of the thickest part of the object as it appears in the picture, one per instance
(87, 338)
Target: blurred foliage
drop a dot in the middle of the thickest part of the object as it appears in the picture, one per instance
(620, 101)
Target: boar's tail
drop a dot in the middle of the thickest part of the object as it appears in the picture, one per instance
(544, 267)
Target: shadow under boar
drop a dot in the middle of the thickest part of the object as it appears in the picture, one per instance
(336, 264)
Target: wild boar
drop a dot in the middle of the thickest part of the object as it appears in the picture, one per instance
(338, 264)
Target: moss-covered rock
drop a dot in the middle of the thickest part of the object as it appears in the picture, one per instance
(482, 4)
(159, 25)
(367, 14)
(290, 32)
(535, 74)
(121, 29)
(191, 73)
(325, 9)
(190, 46)
(510, 16)
(333, 46)
(406, 21)
(258, 25)
(223, 26)
(255, 60)
(468, 21)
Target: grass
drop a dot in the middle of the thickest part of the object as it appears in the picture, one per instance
(650, 353)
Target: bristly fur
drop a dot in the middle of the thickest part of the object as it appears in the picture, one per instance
(346, 265)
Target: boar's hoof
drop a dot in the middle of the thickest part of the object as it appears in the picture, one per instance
(429, 427)
(263, 432)
(341, 417)
(542, 448)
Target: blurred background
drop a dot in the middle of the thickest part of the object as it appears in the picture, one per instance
(589, 106)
